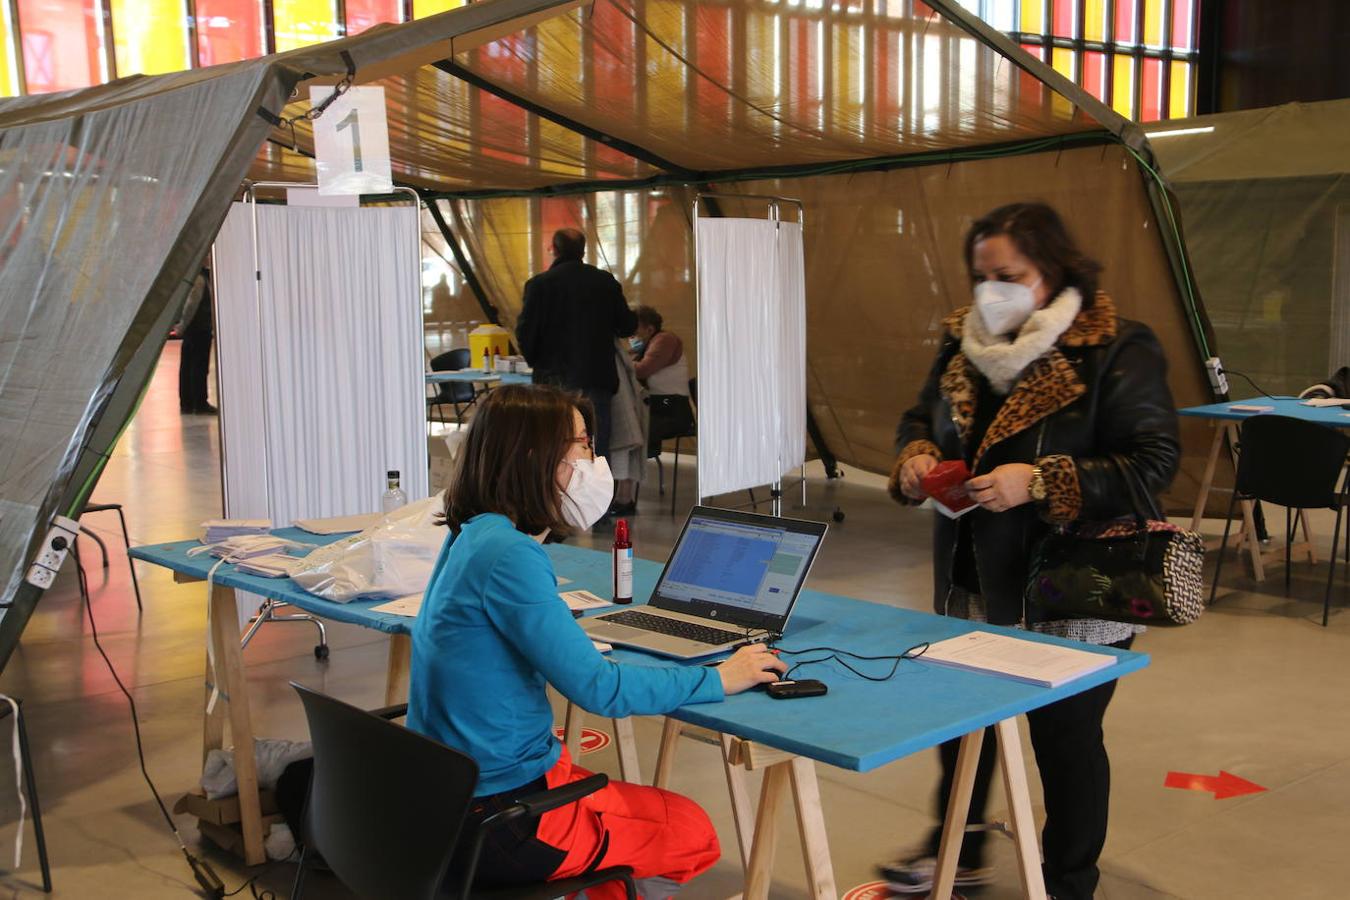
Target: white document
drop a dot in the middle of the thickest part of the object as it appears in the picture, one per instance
(1326, 401)
(1250, 407)
(602, 646)
(583, 600)
(402, 606)
(1033, 662)
(338, 524)
(562, 580)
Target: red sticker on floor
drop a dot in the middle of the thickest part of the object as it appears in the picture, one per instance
(591, 740)
(1222, 786)
(873, 890)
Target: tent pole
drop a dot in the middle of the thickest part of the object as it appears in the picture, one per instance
(639, 153)
(493, 316)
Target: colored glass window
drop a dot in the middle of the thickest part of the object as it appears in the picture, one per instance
(1122, 84)
(362, 14)
(228, 30)
(1179, 99)
(1150, 91)
(299, 23)
(1064, 18)
(9, 70)
(1153, 23)
(1094, 75)
(1033, 16)
(1064, 61)
(1126, 32)
(424, 8)
(150, 36)
(1094, 20)
(62, 44)
(1183, 18)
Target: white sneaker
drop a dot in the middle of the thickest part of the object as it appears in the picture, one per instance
(914, 874)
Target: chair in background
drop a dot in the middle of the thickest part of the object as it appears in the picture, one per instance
(1294, 464)
(30, 787)
(402, 833)
(457, 395)
(691, 433)
(126, 541)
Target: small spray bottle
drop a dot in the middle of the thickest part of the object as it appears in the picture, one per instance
(622, 563)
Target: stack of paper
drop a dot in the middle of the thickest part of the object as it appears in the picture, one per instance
(402, 606)
(216, 530)
(1034, 662)
(272, 565)
(580, 601)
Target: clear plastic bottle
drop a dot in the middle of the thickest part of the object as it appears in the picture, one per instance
(393, 497)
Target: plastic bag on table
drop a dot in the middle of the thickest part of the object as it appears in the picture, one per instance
(392, 559)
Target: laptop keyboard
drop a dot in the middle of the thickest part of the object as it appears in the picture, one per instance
(674, 627)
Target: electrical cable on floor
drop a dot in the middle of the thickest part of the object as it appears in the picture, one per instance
(206, 877)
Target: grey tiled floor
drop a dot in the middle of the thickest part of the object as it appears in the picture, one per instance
(1257, 688)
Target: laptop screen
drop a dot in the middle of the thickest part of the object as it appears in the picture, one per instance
(737, 567)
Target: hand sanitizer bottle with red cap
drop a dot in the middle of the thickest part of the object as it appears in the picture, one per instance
(622, 563)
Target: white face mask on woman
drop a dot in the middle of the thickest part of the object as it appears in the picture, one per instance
(589, 492)
(1005, 305)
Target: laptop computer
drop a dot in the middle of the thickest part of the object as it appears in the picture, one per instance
(732, 578)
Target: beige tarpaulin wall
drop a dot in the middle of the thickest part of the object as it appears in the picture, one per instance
(883, 262)
(1266, 199)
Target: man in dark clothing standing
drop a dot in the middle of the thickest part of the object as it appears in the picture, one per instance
(571, 316)
(194, 364)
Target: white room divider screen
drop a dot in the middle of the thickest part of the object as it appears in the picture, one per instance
(751, 350)
(320, 359)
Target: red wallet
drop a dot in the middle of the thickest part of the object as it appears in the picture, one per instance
(946, 484)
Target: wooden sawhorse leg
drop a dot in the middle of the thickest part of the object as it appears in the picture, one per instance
(1023, 824)
(784, 771)
(396, 674)
(741, 810)
(625, 744)
(227, 677)
(1247, 536)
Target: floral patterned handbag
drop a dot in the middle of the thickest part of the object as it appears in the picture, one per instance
(1133, 569)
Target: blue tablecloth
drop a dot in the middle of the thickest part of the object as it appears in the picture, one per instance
(859, 725)
(1284, 406)
(477, 376)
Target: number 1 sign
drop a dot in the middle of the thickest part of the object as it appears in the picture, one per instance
(351, 142)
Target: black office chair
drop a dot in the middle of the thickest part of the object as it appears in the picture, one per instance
(1294, 464)
(387, 809)
(458, 395)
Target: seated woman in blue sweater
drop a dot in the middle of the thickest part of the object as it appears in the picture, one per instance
(493, 632)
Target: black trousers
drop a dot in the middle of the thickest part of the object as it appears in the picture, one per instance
(671, 415)
(194, 361)
(1076, 776)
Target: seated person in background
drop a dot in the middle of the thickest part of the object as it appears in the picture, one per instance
(493, 633)
(659, 361)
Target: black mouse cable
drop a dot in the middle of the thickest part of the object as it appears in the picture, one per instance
(837, 655)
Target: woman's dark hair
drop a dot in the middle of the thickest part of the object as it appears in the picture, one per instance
(648, 316)
(510, 460)
(1038, 233)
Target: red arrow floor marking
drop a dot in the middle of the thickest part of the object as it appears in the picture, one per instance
(1223, 786)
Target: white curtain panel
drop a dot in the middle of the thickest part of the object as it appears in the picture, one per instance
(751, 353)
(321, 368)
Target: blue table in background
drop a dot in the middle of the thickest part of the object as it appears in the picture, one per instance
(1226, 421)
(477, 376)
(859, 725)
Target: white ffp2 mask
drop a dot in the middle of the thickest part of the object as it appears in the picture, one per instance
(1005, 305)
(588, 493)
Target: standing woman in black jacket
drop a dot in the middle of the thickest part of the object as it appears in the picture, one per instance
(1047, 395)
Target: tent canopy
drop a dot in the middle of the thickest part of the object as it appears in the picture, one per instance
(1266, 199)
(896, 124)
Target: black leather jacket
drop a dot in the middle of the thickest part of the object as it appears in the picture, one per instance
(1097, 401)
